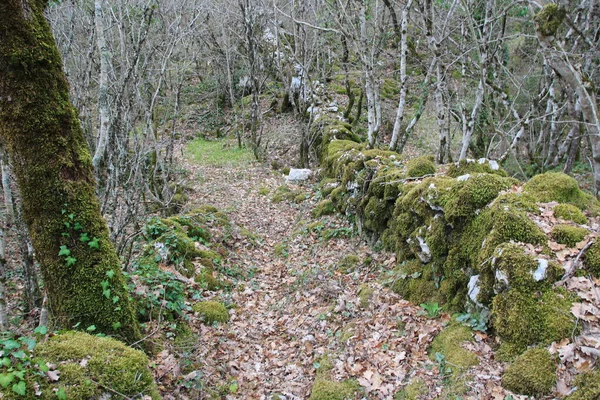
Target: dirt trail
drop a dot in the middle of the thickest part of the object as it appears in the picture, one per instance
(297, 310)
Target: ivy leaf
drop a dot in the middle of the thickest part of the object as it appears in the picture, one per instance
(77, 226)
(20, 388)
(94, 243)
(104, 284)
(110, 273)
(116, 325)
(10, 344)
(6, 379)
(40, 330)
(19, 355)
(115, 299)
(5, 362)
(71, 261)
(71, 216)
(106, 293)
(64, 251)
(28, 341)
(91, 328)
(84, 237)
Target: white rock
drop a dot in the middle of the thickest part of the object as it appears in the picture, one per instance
(425, 254)
(298, 174)
(463, 177)
(501, 277)
(494, 165)
(474, 289)
(540, 272)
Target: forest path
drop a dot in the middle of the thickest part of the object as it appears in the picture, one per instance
(298, 313)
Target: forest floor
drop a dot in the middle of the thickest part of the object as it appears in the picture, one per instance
(313, 303)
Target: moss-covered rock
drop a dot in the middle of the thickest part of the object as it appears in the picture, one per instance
(324, 389)
(522, 319)
(533, 373)
(212, 311)
(449, 343)
(325, 207)
(587, 387)
(568, 234)
(420, 166)
(592, 259)
(556, 186)
(464, 167)
(569, 212)
(90, 367)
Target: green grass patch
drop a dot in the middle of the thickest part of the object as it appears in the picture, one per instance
(218, 153)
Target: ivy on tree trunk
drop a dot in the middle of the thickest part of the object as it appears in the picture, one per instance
(53, 166)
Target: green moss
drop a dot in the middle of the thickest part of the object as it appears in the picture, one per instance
(212, 311)
(325, 207)
(587, 386)
(284, 193)
(281, 249)
(416, 282)
(207, 277)
(301, 197)
(420, 166)
(348, 263)
(592, 259)
(470, 195)
(533, 373)
(556, 186)
(517, 271)
(413, 391)
(523, 318)
(449, 343)
(569, 212)
(110, 364)
(264, 191)
(549, 19)
(568, 234)
(365, 293)
(464, 167)
(324, 389)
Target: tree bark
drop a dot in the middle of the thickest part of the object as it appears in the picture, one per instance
(53, 167)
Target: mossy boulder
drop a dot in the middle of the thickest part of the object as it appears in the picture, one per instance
(420, 166)
(91, 367)
(324, 389)
(592, 259)
(533, 373)
(325, 207)
(556, 186)
(483, 166)
(472, 193)
(587, 386)
(568, 234)
(212, 311)
(449, 342)
(522, 319)
(569, 212)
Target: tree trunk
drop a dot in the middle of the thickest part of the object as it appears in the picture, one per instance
(53, 167)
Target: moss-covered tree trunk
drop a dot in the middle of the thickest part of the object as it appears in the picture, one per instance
(53, 166)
